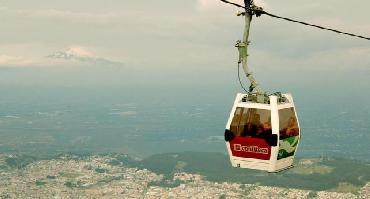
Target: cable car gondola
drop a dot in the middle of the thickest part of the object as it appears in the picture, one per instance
(263, 130)
(262, 136)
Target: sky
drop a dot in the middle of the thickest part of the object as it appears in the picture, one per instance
(191, 35)
(181, 54)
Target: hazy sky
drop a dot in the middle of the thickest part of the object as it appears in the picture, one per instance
(180, 54)
(182, 34)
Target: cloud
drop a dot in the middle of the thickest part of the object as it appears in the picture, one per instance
(16, 61)
(72, 16)
(10, 61)
(66, 14)
(355, 58)
(7, 59)
(176, 34)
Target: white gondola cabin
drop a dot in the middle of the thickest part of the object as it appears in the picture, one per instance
(263, 136)
(263, 130)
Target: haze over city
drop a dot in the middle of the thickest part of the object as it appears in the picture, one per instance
(93, 80)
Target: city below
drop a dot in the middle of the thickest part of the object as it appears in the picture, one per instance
(114, 176)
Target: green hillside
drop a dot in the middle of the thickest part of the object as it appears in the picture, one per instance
(311, 174)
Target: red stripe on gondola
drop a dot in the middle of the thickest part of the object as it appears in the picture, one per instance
(248, 147)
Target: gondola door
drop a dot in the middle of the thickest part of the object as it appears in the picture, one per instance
(251, 128)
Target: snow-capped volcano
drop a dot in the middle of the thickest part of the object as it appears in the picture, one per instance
(80, 54)
(72, 53)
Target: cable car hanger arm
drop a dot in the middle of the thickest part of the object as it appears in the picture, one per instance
(256, 93)
(258, 11)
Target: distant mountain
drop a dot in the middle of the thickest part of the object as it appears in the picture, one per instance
(80, 54)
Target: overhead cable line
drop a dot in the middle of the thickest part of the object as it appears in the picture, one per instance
(258, 12)
(234, 4)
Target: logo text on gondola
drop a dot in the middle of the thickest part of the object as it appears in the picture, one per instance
(251, 149)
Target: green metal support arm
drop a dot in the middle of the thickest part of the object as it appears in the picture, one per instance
(243, 54)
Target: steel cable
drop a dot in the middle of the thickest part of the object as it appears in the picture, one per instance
(259, 12)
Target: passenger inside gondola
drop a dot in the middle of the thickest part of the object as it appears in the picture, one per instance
(267, 129)
(253, 123)
(254, 127)
(259, 126)
(291, 129)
